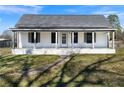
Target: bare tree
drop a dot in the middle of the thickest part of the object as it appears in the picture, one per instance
(6, 35)
(115, 22)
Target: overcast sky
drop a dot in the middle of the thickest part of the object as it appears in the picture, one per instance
(9, 15)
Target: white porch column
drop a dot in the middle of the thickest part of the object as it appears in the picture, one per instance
(113, 37)
(93, 40)
(19, 43)
(108, 38)
(56, 39)
(34, 40)
(72, 39)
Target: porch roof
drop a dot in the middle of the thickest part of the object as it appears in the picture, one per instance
(62, 30)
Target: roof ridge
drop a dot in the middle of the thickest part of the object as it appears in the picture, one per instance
(65, 14)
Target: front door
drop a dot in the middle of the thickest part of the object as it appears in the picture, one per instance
(64, 40)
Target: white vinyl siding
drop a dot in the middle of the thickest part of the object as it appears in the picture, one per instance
(45, 40)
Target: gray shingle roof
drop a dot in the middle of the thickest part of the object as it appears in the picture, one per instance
(62, 21)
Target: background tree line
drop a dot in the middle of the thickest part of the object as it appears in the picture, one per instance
(115, 23)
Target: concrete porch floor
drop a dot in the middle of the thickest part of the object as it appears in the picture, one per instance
(63, 51)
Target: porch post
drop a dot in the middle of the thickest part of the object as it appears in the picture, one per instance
(72, 39)
(56, 39)
(93, 40)
(34, 40)
(19, 40)
(113, 37)
(17, 36)
(108, 38)
(13, 41)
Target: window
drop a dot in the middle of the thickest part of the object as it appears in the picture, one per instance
(31, 37)
(63, 38)
(75, 37)
(53, 37)
(37, 37)
(88, 37)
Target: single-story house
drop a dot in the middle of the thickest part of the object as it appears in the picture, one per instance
(63, 34)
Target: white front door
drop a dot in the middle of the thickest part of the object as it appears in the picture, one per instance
(64, 39)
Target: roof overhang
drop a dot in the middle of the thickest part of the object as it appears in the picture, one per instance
(60, 30)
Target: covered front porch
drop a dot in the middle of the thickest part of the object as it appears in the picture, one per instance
(65, 41)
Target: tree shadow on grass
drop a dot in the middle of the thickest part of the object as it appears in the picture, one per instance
(44, 72)
(86, 72)
(25, 70)
(10, 61)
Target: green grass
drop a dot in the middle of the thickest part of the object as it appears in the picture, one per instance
(11, 64)
(81, 70)
(14, 68)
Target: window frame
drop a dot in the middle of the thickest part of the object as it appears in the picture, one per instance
(31, 37)
(89, 40)
(37, 37)
(86, 36)
(75, 37)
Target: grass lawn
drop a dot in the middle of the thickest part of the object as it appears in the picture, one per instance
(80, 70)
(5, 51)
(12, 64)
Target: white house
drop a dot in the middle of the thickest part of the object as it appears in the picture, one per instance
(63, 35)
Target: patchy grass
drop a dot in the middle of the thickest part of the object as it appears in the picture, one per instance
(81, 70)
(95, 70)
(11, 63)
